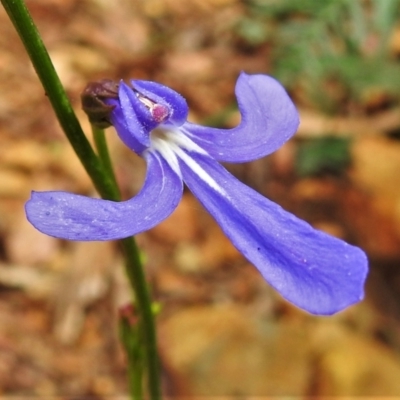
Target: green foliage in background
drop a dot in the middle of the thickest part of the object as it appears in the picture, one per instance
(323, 155)
(335, 53)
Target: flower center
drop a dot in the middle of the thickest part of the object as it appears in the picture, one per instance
(159, 112)
(174, 145)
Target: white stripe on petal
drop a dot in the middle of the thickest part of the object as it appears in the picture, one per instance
(166, 151)
(172, 143)
(197, 169)
(180, 139)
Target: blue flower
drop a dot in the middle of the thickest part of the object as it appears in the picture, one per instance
(313, 270)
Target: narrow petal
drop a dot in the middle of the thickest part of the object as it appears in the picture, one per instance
(269, 119)
(123, 130)
(137, 117)
(73, 217)
(313, 270)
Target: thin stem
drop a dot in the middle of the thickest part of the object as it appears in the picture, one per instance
(98, 170)
(103, 153)
(136, 277)
(135, 374)
(130, 338)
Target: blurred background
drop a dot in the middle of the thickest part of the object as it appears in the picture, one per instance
(222, 330)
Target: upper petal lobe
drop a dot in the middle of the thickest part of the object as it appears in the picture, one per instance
(269, 119)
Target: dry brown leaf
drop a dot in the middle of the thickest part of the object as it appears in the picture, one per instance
(314, 124)
(86, 279)
(34, 282)
(26, 245)
(345, 367)
(182, 225)
(221, 350)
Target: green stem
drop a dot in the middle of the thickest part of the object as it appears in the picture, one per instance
(98, 171)
(130, 338)
(104, 155)
(143, 301)
(135, 374)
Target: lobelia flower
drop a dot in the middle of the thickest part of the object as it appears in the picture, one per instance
(313, 270)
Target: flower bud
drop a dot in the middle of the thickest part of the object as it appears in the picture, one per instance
(94, 104)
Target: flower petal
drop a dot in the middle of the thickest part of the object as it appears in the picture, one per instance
(269, 119)
(131, 119)
(137, 112)
(73, 217)
(123, 130)
(311, 269)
